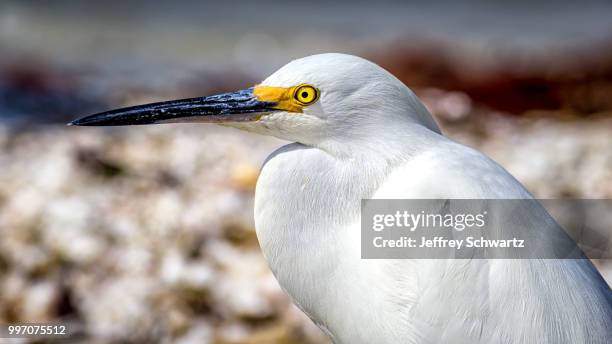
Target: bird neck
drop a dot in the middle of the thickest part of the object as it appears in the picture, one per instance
(390, 144)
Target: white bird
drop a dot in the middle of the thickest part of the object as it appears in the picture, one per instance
(360, 133)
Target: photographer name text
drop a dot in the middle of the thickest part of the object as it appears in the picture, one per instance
(441, 242)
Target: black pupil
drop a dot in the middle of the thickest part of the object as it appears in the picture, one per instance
(304, 94)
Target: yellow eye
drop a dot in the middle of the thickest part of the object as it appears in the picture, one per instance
(306, 94)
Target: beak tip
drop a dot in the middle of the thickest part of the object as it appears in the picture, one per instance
(84, 121)
(76, 122)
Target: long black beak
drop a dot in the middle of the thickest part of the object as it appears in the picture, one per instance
(237, 106)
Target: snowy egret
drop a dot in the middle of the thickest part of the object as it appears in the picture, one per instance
(360, 133)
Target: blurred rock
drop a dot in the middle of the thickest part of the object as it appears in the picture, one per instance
(450, 106)
(120, 309)
(41, 302)
(244, 176)
(200, 333)
(177, 272)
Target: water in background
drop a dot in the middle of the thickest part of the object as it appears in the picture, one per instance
(72, 57)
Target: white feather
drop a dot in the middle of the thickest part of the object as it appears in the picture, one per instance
(370, 137)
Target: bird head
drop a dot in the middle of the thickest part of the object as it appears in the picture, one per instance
(311, 100)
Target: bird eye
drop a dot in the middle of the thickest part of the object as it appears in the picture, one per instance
(306, 94)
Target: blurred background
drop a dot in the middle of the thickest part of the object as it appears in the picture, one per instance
(145, 234)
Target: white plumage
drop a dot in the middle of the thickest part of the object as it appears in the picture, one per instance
(360, 133)
(370, 137)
